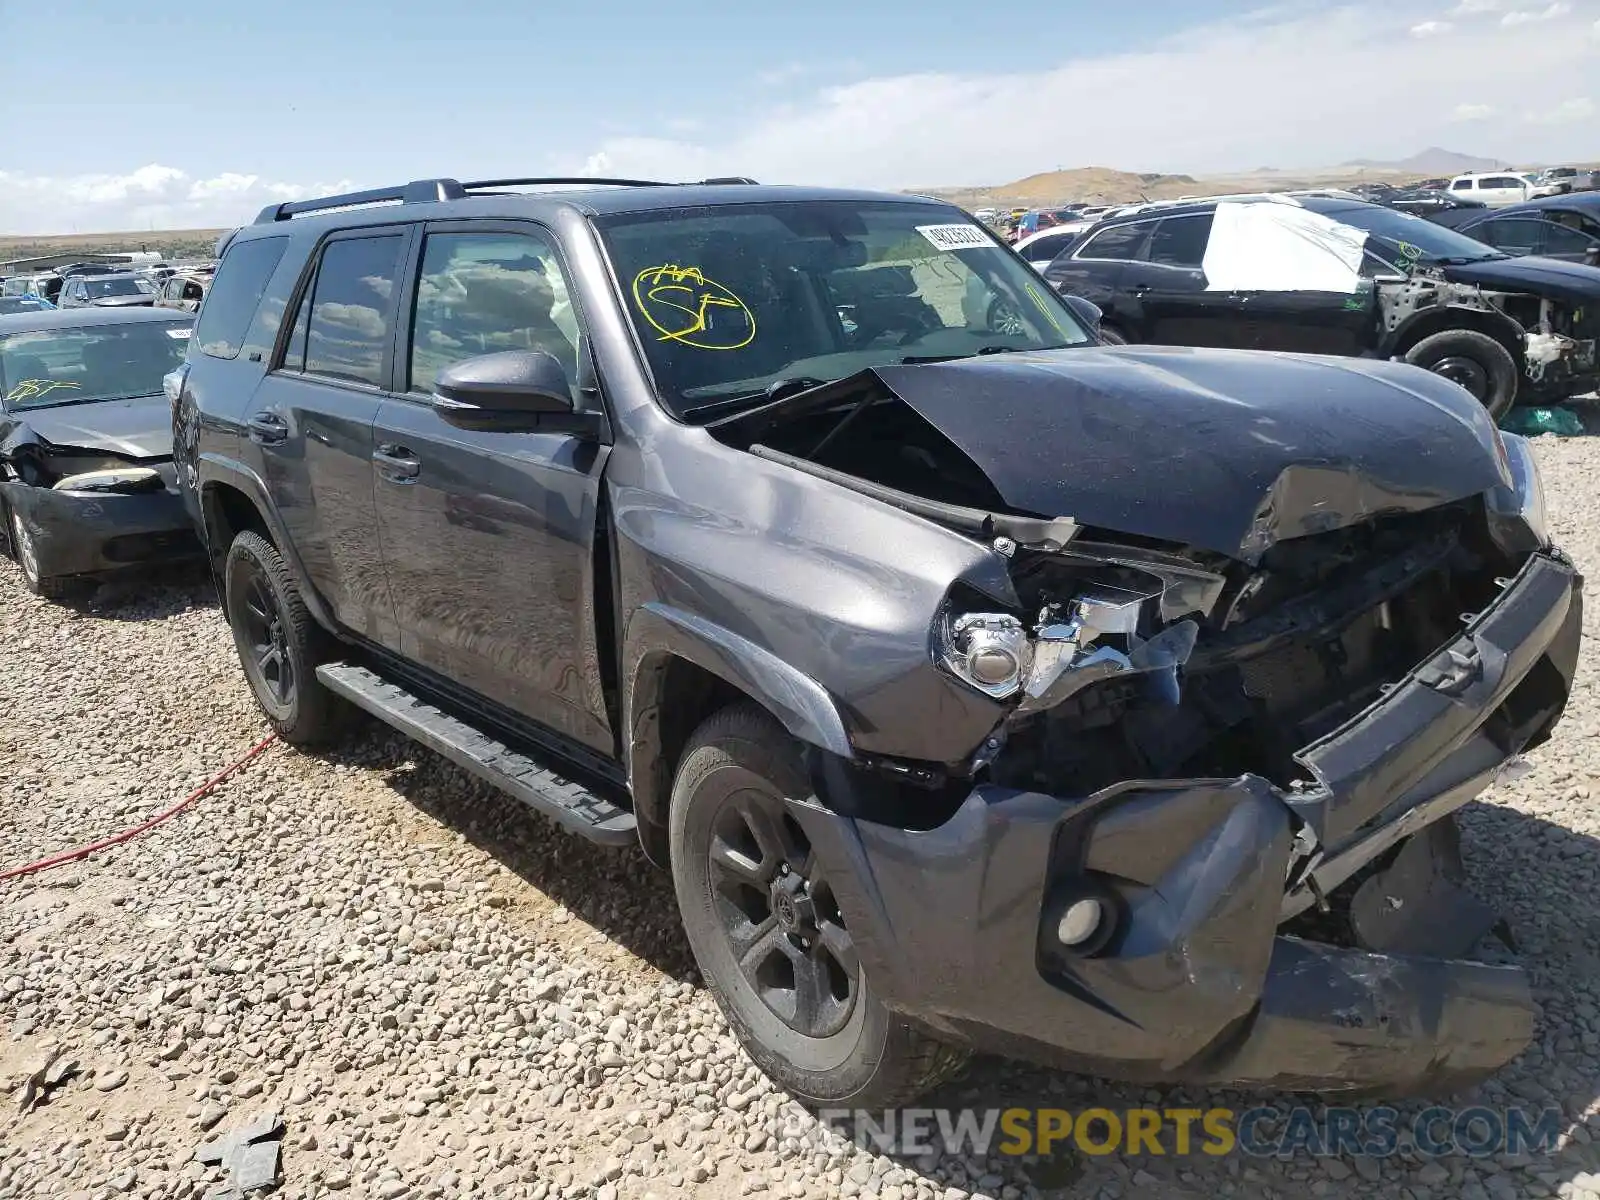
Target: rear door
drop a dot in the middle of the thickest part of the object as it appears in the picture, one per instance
(311, 421)
(489, 537)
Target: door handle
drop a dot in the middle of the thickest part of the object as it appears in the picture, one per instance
(267, 429)
(396, 463)
(1140, 289)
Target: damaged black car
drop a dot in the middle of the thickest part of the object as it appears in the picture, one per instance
(86, 478)
(982, 686)
(1330, 275)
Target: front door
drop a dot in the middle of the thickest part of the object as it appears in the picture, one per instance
(490, 538)
(311, 418)
(1169, 286)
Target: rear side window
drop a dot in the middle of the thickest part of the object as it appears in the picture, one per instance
(345, 319)
(1181, 241)
(1503, 181)
(240, 281)
(1120, 242)
(1461, 185)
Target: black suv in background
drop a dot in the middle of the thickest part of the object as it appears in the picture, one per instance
(980, 685)
(1504, 328)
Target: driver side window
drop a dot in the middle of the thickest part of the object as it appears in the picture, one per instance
(480, 293)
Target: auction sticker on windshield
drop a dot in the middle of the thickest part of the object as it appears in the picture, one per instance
(955, 237)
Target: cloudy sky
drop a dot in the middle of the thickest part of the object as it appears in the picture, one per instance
(195, 116)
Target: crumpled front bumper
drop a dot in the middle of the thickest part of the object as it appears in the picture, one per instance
(955, 925)
(88, 533)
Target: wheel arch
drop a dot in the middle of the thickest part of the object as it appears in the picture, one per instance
(1437, 320)
(681, 668)
(231, 500)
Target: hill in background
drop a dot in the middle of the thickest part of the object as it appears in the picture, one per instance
(171, 243)
(1434, 161)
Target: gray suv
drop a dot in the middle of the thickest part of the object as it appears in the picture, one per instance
(981, 685)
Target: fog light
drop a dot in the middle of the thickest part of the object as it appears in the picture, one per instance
(1081, 922)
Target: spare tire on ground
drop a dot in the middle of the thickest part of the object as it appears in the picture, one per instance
(1474, 360)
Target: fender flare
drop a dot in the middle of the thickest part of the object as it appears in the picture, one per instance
(214, 469)
(656, 634)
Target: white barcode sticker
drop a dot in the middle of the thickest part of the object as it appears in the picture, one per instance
(179, 333)
(955, 237)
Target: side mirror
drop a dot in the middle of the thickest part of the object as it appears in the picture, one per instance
(508, 390)
(1086, 311)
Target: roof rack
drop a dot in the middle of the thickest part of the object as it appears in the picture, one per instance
(434, 191)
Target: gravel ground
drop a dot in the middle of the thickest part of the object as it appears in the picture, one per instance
(444, 996)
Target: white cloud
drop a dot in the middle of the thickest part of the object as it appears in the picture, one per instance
(1527, 16)
(1321, 86)
(1293, 86)
(1468, 8)
(148, 197)
(1429, 28)
(1579, 108)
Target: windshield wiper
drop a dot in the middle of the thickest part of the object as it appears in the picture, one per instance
(778, 389)
(914, 359)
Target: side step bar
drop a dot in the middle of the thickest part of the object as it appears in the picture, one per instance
(569, 804)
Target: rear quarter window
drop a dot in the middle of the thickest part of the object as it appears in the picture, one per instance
(236, 290)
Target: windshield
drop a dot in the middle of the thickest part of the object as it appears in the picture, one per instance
(118, 285)
(49, 367)
(1412, 238)
(733, 300)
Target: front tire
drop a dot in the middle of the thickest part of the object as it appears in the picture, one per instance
(23, 549)
(767, 931)
(1475, 361)
(280, 646)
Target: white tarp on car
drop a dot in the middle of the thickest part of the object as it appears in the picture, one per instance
(1281, 248)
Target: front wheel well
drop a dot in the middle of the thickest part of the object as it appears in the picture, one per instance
(682, 694)
(1501, 328)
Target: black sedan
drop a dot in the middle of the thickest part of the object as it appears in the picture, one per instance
(86, 477)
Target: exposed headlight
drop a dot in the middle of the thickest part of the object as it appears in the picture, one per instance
(1529, 501)
(989, 651)
(118, 479)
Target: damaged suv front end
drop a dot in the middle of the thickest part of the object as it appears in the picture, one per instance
(1138, 686)
(1239, 694)
(86, 474)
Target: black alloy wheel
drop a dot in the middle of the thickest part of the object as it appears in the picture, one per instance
(279, 644)
(779, 915)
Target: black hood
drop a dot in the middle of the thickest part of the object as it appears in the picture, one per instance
(1222, 450)
(1572, 282)
(137, 428)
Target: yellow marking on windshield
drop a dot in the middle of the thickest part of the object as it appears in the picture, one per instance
(678, 303)
(32, 389)
(1044, 307)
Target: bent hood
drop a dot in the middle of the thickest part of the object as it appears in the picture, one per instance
(1572, 282)
(1228, 451)
(136, 428)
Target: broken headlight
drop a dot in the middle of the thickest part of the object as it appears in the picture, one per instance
(1094, 635)
(117, 479)
(989, 651)
(1522, 504)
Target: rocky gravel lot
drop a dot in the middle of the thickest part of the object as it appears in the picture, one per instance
(443, 996)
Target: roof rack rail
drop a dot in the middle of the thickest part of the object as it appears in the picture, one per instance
(418, 191)
(433, 191)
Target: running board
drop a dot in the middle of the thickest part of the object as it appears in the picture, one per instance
(569, 804)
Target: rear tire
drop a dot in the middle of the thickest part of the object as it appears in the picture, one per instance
(280, 646)
(767, 933)
(1475, 361)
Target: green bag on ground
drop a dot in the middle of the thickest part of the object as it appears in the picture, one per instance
(1530, 422)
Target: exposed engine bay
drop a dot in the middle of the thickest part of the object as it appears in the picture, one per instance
(1137, 657)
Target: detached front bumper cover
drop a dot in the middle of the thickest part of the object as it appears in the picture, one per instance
(86, 533)
(954, 925)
